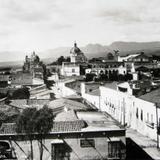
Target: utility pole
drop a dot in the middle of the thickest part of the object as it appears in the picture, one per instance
(157, 125)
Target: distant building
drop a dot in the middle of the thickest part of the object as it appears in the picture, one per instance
(140, 58)
(107, 67)
(76, 55)
(21, 79)
(5, 70)
(32, 65)
(70, 69)
(77, 63)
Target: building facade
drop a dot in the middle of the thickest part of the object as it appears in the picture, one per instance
(32, 65)
(139, 113)
(76, 55)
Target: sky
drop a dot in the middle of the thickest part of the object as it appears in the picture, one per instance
(39, 25)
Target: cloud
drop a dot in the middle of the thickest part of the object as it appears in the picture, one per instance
(43, 24)
(119, 15)
(61, 26)
(129, 11)
(36, 10)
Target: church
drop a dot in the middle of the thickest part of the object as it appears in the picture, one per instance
(33, 65)
(77, 61)
(76, 55)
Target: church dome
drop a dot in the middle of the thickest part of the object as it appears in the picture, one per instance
(75, 49)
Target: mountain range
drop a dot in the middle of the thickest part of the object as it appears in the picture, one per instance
(98, 50)
(90, 50)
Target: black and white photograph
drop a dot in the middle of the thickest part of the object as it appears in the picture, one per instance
(79, 79)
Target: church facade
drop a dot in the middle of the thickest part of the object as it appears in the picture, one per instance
(76, 55)
(77, 60)
(32, 65)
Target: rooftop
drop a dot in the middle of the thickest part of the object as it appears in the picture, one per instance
(66, 116)
(148, 145)
(72, 115)
(153, 96)
(111, 85)
(68, 126)
(97, 121)
(22, 79)
(4, 77)
(93, 87)
(19, 103)
(60, 104)
(23, 103)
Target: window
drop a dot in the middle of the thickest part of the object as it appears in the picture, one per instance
(60, 151)
(114, 149)
(87, 143)
(73, 70)
(137, 113)
(150, 121)
(148, 117)
(141, 115)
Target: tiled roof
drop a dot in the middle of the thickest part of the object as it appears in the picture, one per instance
(8, 128)
(61, 126)
(67, 103)
(66, 126)
(38, 101)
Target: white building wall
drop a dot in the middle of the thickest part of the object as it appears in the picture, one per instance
(122, 70)
(73, 58)
(123, 107)
(144, 126)
(93, 99)
(117, 103)
(70, 70)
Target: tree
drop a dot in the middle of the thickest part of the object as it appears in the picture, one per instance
(60, 60)
(26, 124)
(3, 117)
(110, 56)
(44, 124)
(32, 121)
(90, 77)
(22, 93)
(67, 59)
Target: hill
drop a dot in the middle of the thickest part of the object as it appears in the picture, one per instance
(90, 50)
(98, 50)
